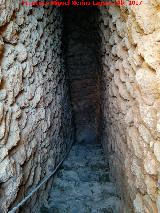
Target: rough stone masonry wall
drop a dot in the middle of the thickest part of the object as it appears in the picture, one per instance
(131, 101)
(34, 101)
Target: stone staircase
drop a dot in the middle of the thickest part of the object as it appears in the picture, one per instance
(82, 184)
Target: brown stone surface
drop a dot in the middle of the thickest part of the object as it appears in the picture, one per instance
(35, 112)
(131, 101)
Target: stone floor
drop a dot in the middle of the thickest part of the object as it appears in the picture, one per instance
(82, 184)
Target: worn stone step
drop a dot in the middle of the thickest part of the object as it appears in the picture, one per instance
(82, 184)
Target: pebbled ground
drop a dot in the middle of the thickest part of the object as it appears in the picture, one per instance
(82, 184)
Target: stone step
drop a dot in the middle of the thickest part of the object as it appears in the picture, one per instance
(82, 205)
(82, 184)
(93, 189)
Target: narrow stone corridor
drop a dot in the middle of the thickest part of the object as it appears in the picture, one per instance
(82, 184)
(88, 77)
(81, 49)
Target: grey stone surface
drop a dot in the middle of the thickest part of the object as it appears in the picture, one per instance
(82, 184)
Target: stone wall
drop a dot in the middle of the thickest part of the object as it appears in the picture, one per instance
(131, 101)
(35, 109)
(81, 44)
(35, 112)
